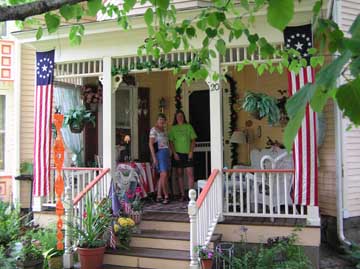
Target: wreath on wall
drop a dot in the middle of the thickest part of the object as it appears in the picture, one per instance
(233, 98)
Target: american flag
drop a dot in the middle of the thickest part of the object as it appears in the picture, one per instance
(43, 110)
(305, 147)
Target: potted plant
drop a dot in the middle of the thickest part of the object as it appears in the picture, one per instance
(206, 256)
(77, 118)
(91, 233)
(261, 105)
(92, 96)
(123, 229)
(29, 254)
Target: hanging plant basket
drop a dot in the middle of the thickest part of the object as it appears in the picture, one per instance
(93, 107)
(76, 128)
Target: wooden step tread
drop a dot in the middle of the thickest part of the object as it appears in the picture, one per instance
(173, 235)
(166, 216)
(152, 253)
(110, 266)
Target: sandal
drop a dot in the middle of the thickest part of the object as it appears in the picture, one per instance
(158, 199)
(166, 201)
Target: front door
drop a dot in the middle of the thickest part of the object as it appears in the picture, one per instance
(199, 118)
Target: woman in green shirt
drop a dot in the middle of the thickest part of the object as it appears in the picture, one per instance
(182, 143)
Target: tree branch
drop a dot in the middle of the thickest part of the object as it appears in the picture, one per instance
(21, 12)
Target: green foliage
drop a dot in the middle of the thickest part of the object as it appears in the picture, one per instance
(279, 252)
(78, 117)
(48, 241)
(26, 168)
(30, 249)
(9, 223)
(228, 21)
(6, 261)
(353, 253)
(91, 230)
(261, 105)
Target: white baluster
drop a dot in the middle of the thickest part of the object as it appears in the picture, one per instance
(227, 192)
(247, 194)
(263, 192)
(68, 205)
(271, 193)
(285, 195)
(278, 192)
(234, 191)
(255, 194)
(241, 194)
(193, 211)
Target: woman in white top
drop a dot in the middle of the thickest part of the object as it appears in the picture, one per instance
(160, 153)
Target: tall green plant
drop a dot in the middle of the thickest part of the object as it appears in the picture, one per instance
(96, 220)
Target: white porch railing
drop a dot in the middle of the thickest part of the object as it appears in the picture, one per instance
(74, 177)
(261, 193)
(97, 187)
(204, 214)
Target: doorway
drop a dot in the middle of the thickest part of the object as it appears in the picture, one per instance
(199, 118)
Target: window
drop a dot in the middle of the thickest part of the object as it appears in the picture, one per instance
(2, 132)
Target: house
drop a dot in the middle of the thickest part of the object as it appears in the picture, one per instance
(130, 106)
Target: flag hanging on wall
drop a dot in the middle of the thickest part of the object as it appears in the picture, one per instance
(304, 147)
(43, 111)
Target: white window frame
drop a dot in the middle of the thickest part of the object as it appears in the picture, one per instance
(3, 131)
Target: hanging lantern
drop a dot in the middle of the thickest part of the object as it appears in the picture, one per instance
(59, 182)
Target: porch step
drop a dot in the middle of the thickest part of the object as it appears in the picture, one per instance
(175, 240)
(152, 258)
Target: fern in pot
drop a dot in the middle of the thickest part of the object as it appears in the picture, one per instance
(77, 118)
(261, 105)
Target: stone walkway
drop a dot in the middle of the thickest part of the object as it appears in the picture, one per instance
(329, 259)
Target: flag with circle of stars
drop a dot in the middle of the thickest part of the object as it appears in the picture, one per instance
(299, 38)
(45, 67)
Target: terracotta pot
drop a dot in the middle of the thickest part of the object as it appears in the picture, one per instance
(136, 216)
(35, 264)
(91, 258)
(206, 263)
(56, 262)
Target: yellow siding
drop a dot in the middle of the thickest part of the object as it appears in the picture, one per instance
(351, 139)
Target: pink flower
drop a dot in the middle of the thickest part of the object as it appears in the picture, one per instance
(138, 190)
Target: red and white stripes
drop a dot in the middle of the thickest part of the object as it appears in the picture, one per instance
(305, 147)
(42, 139)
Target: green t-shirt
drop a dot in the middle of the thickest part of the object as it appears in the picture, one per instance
(181, 136)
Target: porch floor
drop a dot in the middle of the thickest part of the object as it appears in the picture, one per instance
(177, 211)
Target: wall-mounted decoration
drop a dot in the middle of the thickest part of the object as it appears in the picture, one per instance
(91, 96)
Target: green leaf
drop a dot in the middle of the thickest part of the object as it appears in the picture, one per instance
(213, 20)
(348, 99)
(163, 4)
(299, 100)
(245, 4)
(221, 46)
(211, 32)
(355, 67)
(39, 33)
(52, 22)
(201, 24)
(190, 31)
(317, 7)
(128, 5)
(280, 13)
(292, 128)
(94, 6)
(149, 16)
(355, 28)
(67, 11)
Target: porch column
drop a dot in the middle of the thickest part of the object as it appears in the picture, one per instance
(108, 119)
(216, 126)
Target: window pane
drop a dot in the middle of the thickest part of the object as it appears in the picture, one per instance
(2, 113)
(2, 150)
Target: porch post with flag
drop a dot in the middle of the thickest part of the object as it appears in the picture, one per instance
(305, 189)
(43, 112)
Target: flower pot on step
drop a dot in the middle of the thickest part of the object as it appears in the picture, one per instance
(206, 263)
(91, 258)
(136, 216)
